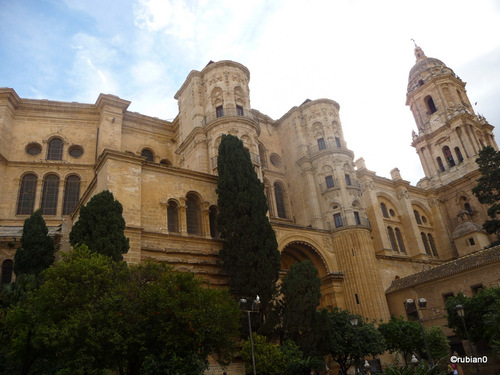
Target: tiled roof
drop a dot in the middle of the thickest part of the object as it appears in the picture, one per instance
(450, 268)
(18, 231)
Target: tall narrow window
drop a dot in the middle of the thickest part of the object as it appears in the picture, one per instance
(426, 243)
(337, 219)
(357, 219)
(173, 217)
(148, 154)
(27, 193)
(7, 267)
(55, 149)
(392, 239)
(262, 156)
(383, 208)
(440, 164)
(193, 214)
(430, 105)
(212, 215)
(219, 111)
(50, 193)
(348, 180)
(448, 156)
(329, 182)
(239, 110)
(321, 144)
(399, 238)
(338, 142)
(71, 194)
(417, 217)
(432, 244)
(279, 196)
(460, 158)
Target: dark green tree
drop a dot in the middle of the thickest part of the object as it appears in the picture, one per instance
(404, 336)
(438, 343)
(36, 252)
(487, 190)
(347, 344)
(101, 226)
(249, 253)
(301, 298)
(478, 311)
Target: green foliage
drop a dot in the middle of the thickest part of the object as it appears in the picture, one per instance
(478, 311)
(438, 343)
(423, 368)
(269, 359)
(101, 226)
(93, 314)
(36, 252)
(487, 189)
(249, 253)
(348, 344)
(301, 298)
(403, 336)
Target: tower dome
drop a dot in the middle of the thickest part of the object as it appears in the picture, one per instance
(424, 69)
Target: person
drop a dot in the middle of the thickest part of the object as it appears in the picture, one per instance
(450, 369)
(455, 369)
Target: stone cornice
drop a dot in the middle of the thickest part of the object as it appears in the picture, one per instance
(138, 118)
(305, 106)
(10, 96)
(112, 101)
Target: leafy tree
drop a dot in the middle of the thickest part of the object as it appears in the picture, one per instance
(478, 311)
(36, 252)
(101, 226)
(93, 314)
(438, 343)
(249, 253)
(269, 359)
(403, 336)
(301, 298)
(487, 189)
(348, 344)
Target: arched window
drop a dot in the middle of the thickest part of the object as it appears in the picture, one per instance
(448, 156)
(460, 158)
(148, 154)
(262, 155)
(193, 214)
(426, 243)
(55, 149)
(173, 217)
(27, 193)
(50, 193)
(399, 238)
(431, 107)
(71, 194)
(279, 196)
(7, 267)
(212, 216)
(392, 239)
(468, 207)
(383, 207)
(433, 245)
(417, 216)
(165, 162)
(440, 164)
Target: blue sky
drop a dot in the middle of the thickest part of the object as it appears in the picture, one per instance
(356, 52)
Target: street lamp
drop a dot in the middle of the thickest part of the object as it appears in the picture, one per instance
(254, 309)
(354, 322)
(411, 307)
(461, 313)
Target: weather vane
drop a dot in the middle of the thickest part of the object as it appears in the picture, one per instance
(413, 40)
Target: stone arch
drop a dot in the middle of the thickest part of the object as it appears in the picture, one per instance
(297, 251)
(216, 97)
(239, 96)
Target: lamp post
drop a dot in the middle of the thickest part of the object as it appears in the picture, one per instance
(255, 308)
(411, 307)
(461, 313)
(354, 322)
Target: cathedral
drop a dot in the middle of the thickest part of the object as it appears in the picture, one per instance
(374, 241)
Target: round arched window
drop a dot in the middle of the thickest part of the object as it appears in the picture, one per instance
(148, 154)
(75, 151)
(33, 149)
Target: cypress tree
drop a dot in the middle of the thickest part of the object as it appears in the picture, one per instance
(101, 226)
(36, 252)
(249, 253)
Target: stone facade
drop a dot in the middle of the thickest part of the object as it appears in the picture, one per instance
(360, 230)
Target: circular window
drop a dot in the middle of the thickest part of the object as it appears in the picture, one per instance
(75, 151)
(275, 160)
(392, 213)
(33, 149)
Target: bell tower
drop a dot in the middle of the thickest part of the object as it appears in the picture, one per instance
(450, 134)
